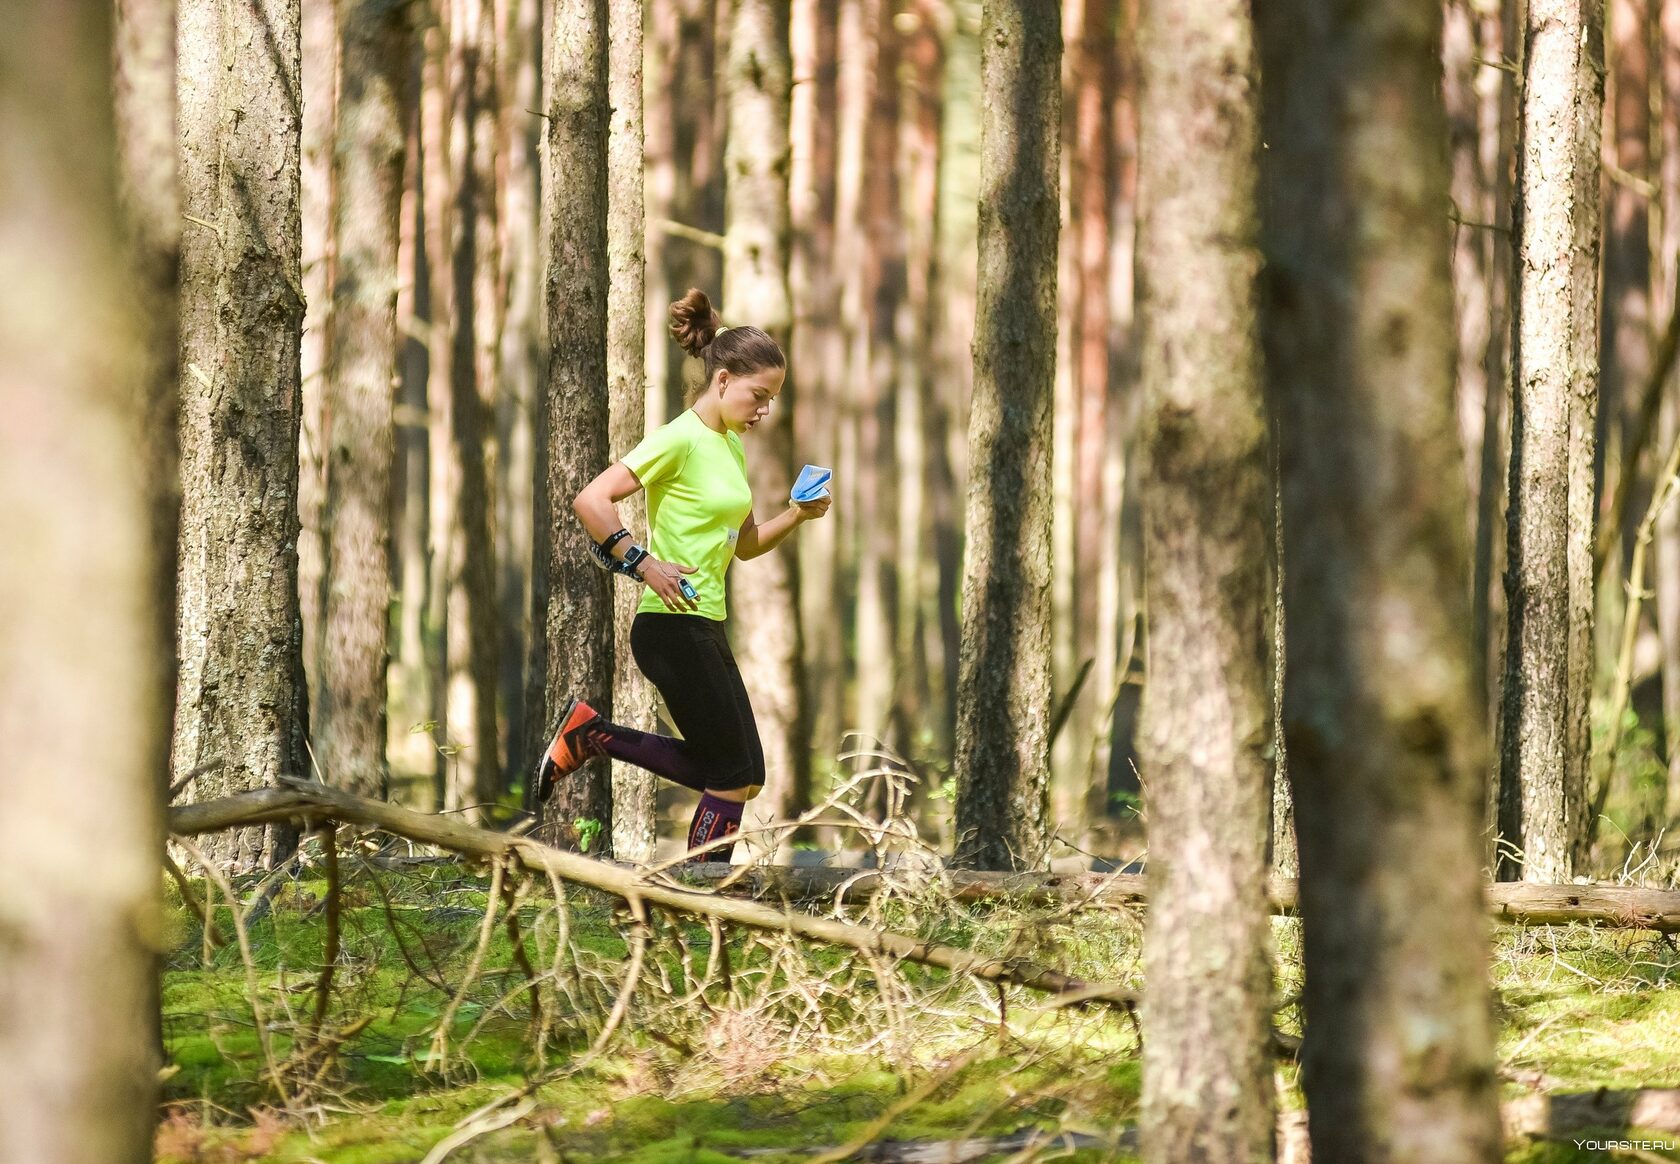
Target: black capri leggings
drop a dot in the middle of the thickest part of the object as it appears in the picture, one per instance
(687, 657)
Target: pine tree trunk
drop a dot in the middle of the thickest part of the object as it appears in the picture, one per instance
(368, 164)
(1207, 706)
(635, 815)
(82, 692)
(1003, 696)
(520, 22)
(470, 613)
(1386, 750)
(755, 291)
(817, 344)
(1545, 739)
(1625, 339)
(576, 611)
(1667, 549)
(149, 195)
(917, 618)
(321, 70)
(242, 697)
(880, 290)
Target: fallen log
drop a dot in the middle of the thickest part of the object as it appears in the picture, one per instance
(315, 804)
(1620, 906)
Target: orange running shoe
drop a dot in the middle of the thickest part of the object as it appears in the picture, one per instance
(570, 749)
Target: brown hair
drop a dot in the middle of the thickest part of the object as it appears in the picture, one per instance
(699, 332)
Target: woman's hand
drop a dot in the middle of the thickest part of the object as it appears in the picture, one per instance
(811, 510)
(664, 579)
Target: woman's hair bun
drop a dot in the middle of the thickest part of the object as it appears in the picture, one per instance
(694, 322)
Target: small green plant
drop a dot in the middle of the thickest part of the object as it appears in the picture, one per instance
(587, 829)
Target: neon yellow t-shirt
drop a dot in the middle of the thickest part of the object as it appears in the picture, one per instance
(697, 496)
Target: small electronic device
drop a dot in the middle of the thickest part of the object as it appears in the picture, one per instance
(689, 592)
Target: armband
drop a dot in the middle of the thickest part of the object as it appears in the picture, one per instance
(603, 550)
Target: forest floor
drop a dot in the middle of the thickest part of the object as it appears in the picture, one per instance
(735, 1045)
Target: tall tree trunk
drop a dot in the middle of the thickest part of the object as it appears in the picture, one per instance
(874, 510)
(242, 698)
(148, 198)
(635, 817)
(1667, 551)
(321, 69)
(82, 692)
(1545, 737)
(755, 290)
(1386, 750)
(470, 608)
(1625, 339)
(576, 610)
(436, 184)
(520, 32)
(148, 190)
(917, 617)
(818, 347)
(368, 166)
(1207, 709)
(1003, 696)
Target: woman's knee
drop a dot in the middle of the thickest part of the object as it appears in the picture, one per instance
(736, 795)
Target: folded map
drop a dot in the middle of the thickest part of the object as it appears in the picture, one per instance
(812, 483)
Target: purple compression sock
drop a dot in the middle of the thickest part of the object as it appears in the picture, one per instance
(714, 818)
(661, 755)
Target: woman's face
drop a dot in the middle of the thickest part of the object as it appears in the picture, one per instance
(747, 399)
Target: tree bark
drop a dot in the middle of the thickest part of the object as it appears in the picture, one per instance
(575, 613)
(635, 815)
(83, 696)
(1545, 732)
(470, 615)
(1386, 751)
(368, 168)
(242, 698)
(320, 68)
(817, 344)
(755, 291)
(1003, 696)
(1207, 704)
(1666, 554)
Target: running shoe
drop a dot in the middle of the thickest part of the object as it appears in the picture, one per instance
(571, 748)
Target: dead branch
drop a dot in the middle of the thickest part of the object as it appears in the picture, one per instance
(315, 803)
(1515, 902)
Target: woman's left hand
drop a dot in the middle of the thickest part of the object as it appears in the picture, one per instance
(811, 510)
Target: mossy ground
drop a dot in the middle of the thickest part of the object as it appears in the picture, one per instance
(778, 1048)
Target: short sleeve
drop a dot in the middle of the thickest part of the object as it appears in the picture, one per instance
(660, 456)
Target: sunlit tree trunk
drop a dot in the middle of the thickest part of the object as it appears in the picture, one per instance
(1386, 750)
(320, 66)
(1667, 548)
(1003, 696)
(368, 167)
(437, 213)
(1207, 709)
(1625, 340)
(918, 647)
(81, 825)
(1545, 737)
(818, 347)
(576, 616)
(880, 289)
(633, 788)
(242, 697)
(755, 291)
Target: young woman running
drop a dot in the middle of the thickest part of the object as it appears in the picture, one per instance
(700, 517)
